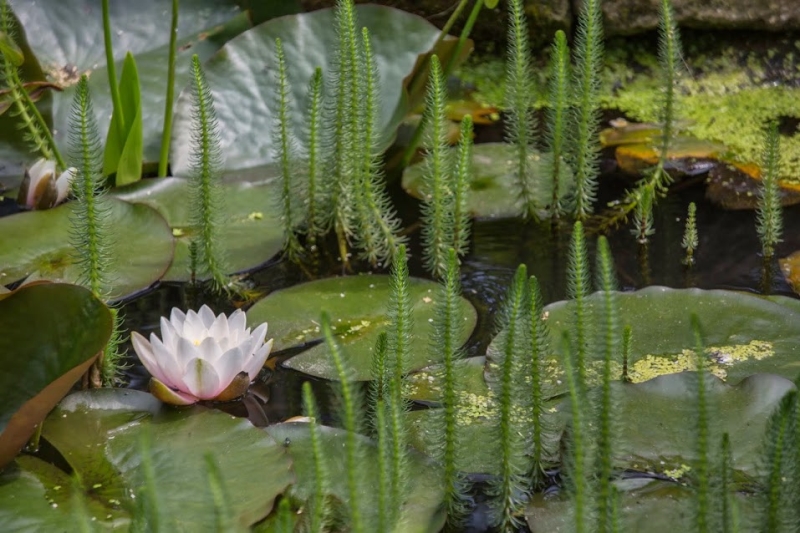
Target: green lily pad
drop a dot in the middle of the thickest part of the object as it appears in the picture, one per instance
(645, 504)
(36, 245)
(358, 307)
(656, 420)
(743, 335)
(251, 231)
(425, 385)
(242, 79)
(492, 186)
(49, 335)
(100, 434)
(421, 513)
(143, 28)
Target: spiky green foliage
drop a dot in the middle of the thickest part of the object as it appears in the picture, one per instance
(643, 214)
(520, 125)
(378, 225)
(447, 328)
(578, 459)
(627, 339)
(770, 215)
(316, 194)
(690, 239)
(111, 362)
(556, 117)
(286, 157)
(585, 118)
(384, 473)
(509, 488)
(35, 130)
(460, 186)
(206, 199)
(605, 419)
(437, 209)
(540, 351)
(318, 515)
(381, 372)
(350, 408)
(779, 468)
(578, 288)
(703, 510)
(726, 486)
(89, 232)
(284, 522)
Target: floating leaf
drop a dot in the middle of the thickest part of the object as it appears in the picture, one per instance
(251, 229)
(36, 245)
(421, 513)
(100, 433)
(241, 79)
(738, 186)
(492, 186)
(358, 307)
(49, 335)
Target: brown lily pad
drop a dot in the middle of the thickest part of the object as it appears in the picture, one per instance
(737, 186)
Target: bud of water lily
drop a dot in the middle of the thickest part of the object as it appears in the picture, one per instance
(41, 189)
(202, 357)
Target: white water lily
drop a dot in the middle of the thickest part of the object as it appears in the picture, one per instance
(202, 357)
(40, 189)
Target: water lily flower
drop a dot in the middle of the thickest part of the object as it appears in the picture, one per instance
(41, 189)
(202, 357)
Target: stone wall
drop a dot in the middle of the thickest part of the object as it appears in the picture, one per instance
(621, 17)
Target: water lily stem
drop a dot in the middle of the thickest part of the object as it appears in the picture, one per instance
(163, 159)
(113, 85)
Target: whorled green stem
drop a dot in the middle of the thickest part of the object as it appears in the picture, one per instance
(166, 134)
(770, 212)
(578, 288)
(319, 513)
(703, 514)
(460, 184)
(540, 350)
(556, 118)
(316, 226)
(690, 238)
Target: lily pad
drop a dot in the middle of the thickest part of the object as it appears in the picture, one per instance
(743, 334)
(143, 28)
(358, 307)
(251, 230)
(657, 432)
(49, 335)
(645, 504)
(242, 80)
(100, 434)
(492, 186)
(421, 513)
(36, 245)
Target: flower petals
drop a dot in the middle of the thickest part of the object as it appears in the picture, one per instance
(170, 396)
(256, 361)
(202, 380)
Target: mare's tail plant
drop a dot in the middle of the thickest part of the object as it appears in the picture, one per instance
(704, 516)
(643, 213)
(540, 350)
(770, 217)
(780, 469)
(378, 225)
(90, 229)
(205, 195)
(286, 156)
(509, 488)
(437, 209)
(350, 408)
(585, 118)
(460, 187)
(519, 95)
(316, 194)
(605, 415)
(578, 288)
(556, 121)
(448, 324)
(35, 129)
(690, 239)
(318, 515)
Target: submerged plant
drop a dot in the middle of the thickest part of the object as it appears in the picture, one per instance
(690, 239)
(770, 217)
(205, 196)
(202, 357)
(519, 95)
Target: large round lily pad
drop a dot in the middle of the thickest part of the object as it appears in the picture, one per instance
(358, 307)
(100, 435)
(49, 335)
(492, 186)
(67, 35)
(242, 78)
(743, 334)
(421, 513)
(36, 245)
(250, 231)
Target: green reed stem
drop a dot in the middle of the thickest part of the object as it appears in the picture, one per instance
(166, 135)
